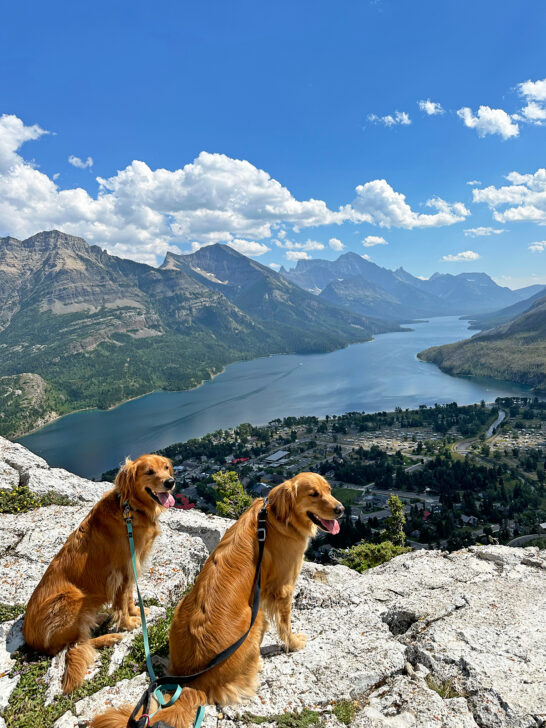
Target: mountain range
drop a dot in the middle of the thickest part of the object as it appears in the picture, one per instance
(364, 287)
(94, 330)
(82, 328)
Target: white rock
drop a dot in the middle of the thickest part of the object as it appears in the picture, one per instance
(11, 638)
(54, 677)
(7, 686)
(122, 649)
(208, 528)
(19, 457)
(67, 720)
(63, 483)
(9, 477)
(126, 691)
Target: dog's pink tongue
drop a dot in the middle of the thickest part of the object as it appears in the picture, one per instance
(166, 499)
(332, 526)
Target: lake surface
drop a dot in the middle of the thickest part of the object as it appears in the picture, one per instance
(373, 376)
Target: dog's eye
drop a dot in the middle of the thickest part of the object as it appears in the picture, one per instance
(314, 494)
(166, 467)
(149, 472)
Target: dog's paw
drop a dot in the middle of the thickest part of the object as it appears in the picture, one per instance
(296, 642)
(129, 623)
(111, 639)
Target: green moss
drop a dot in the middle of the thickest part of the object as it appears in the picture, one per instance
(20, 499)
(345, 711)
(10, 611)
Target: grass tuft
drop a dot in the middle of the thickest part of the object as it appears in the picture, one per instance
(445, 688)
(345, 711)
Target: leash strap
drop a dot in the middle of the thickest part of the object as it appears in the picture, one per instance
(127, 515)
(176, 682)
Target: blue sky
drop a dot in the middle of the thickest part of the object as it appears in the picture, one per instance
(294, 106)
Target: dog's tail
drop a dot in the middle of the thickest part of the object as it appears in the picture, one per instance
(113, 718)
(79, 659)
(179, 715)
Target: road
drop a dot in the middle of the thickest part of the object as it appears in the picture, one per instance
(463, 447)
(491, 431)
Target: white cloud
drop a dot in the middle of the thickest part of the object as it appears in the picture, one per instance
(376, 202)
(56, 176)
(398, 118)
(297, 255)
(79, 163)
(534, 90)
(538, 247)
(365, 256)
(245, 247)
(463, 257)
(372, 240)
(523, 200)
(534, 93)
(275, 266)
(534, 113)
(307, 245)
(489, 121)
(249, 247)
(480, 232)
(473, 182)
(142, 213)
(430, 107)
(336, 244)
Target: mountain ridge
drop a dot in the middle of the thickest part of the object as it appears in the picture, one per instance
(363, 286)
(514, 350)
(99, 329)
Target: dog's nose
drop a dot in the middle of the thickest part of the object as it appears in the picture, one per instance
(338, 510)
(169, 483)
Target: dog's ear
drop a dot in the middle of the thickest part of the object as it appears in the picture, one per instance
(282, 500)
(126, 479)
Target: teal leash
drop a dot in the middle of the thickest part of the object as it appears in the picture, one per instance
(169, 687)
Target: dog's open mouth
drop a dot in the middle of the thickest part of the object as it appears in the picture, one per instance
(164, 499)
(331, 526)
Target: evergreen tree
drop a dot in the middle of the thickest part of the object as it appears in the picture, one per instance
(394, 523)
(232, 500)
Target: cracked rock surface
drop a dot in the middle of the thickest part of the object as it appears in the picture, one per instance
(429, 639)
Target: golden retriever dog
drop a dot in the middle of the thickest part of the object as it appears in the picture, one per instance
(217, 611)
(94, 569)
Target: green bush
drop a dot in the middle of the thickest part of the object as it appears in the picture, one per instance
(365, 556)
(20, 499)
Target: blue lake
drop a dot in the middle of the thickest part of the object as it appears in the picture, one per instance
(373, 376)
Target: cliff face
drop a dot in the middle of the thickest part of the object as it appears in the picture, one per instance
(429, 639)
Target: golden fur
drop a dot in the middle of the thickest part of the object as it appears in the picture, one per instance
(93, 569)
(180, 715)
(217, 610)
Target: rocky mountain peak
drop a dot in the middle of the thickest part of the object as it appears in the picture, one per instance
(429, 640)
(49, 240)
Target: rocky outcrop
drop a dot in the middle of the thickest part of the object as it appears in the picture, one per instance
(429, 639)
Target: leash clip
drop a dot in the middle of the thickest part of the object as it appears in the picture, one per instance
(262, 522)
(127, 512)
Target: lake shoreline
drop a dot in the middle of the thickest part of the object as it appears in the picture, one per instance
(355, 378)
(211, 377)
